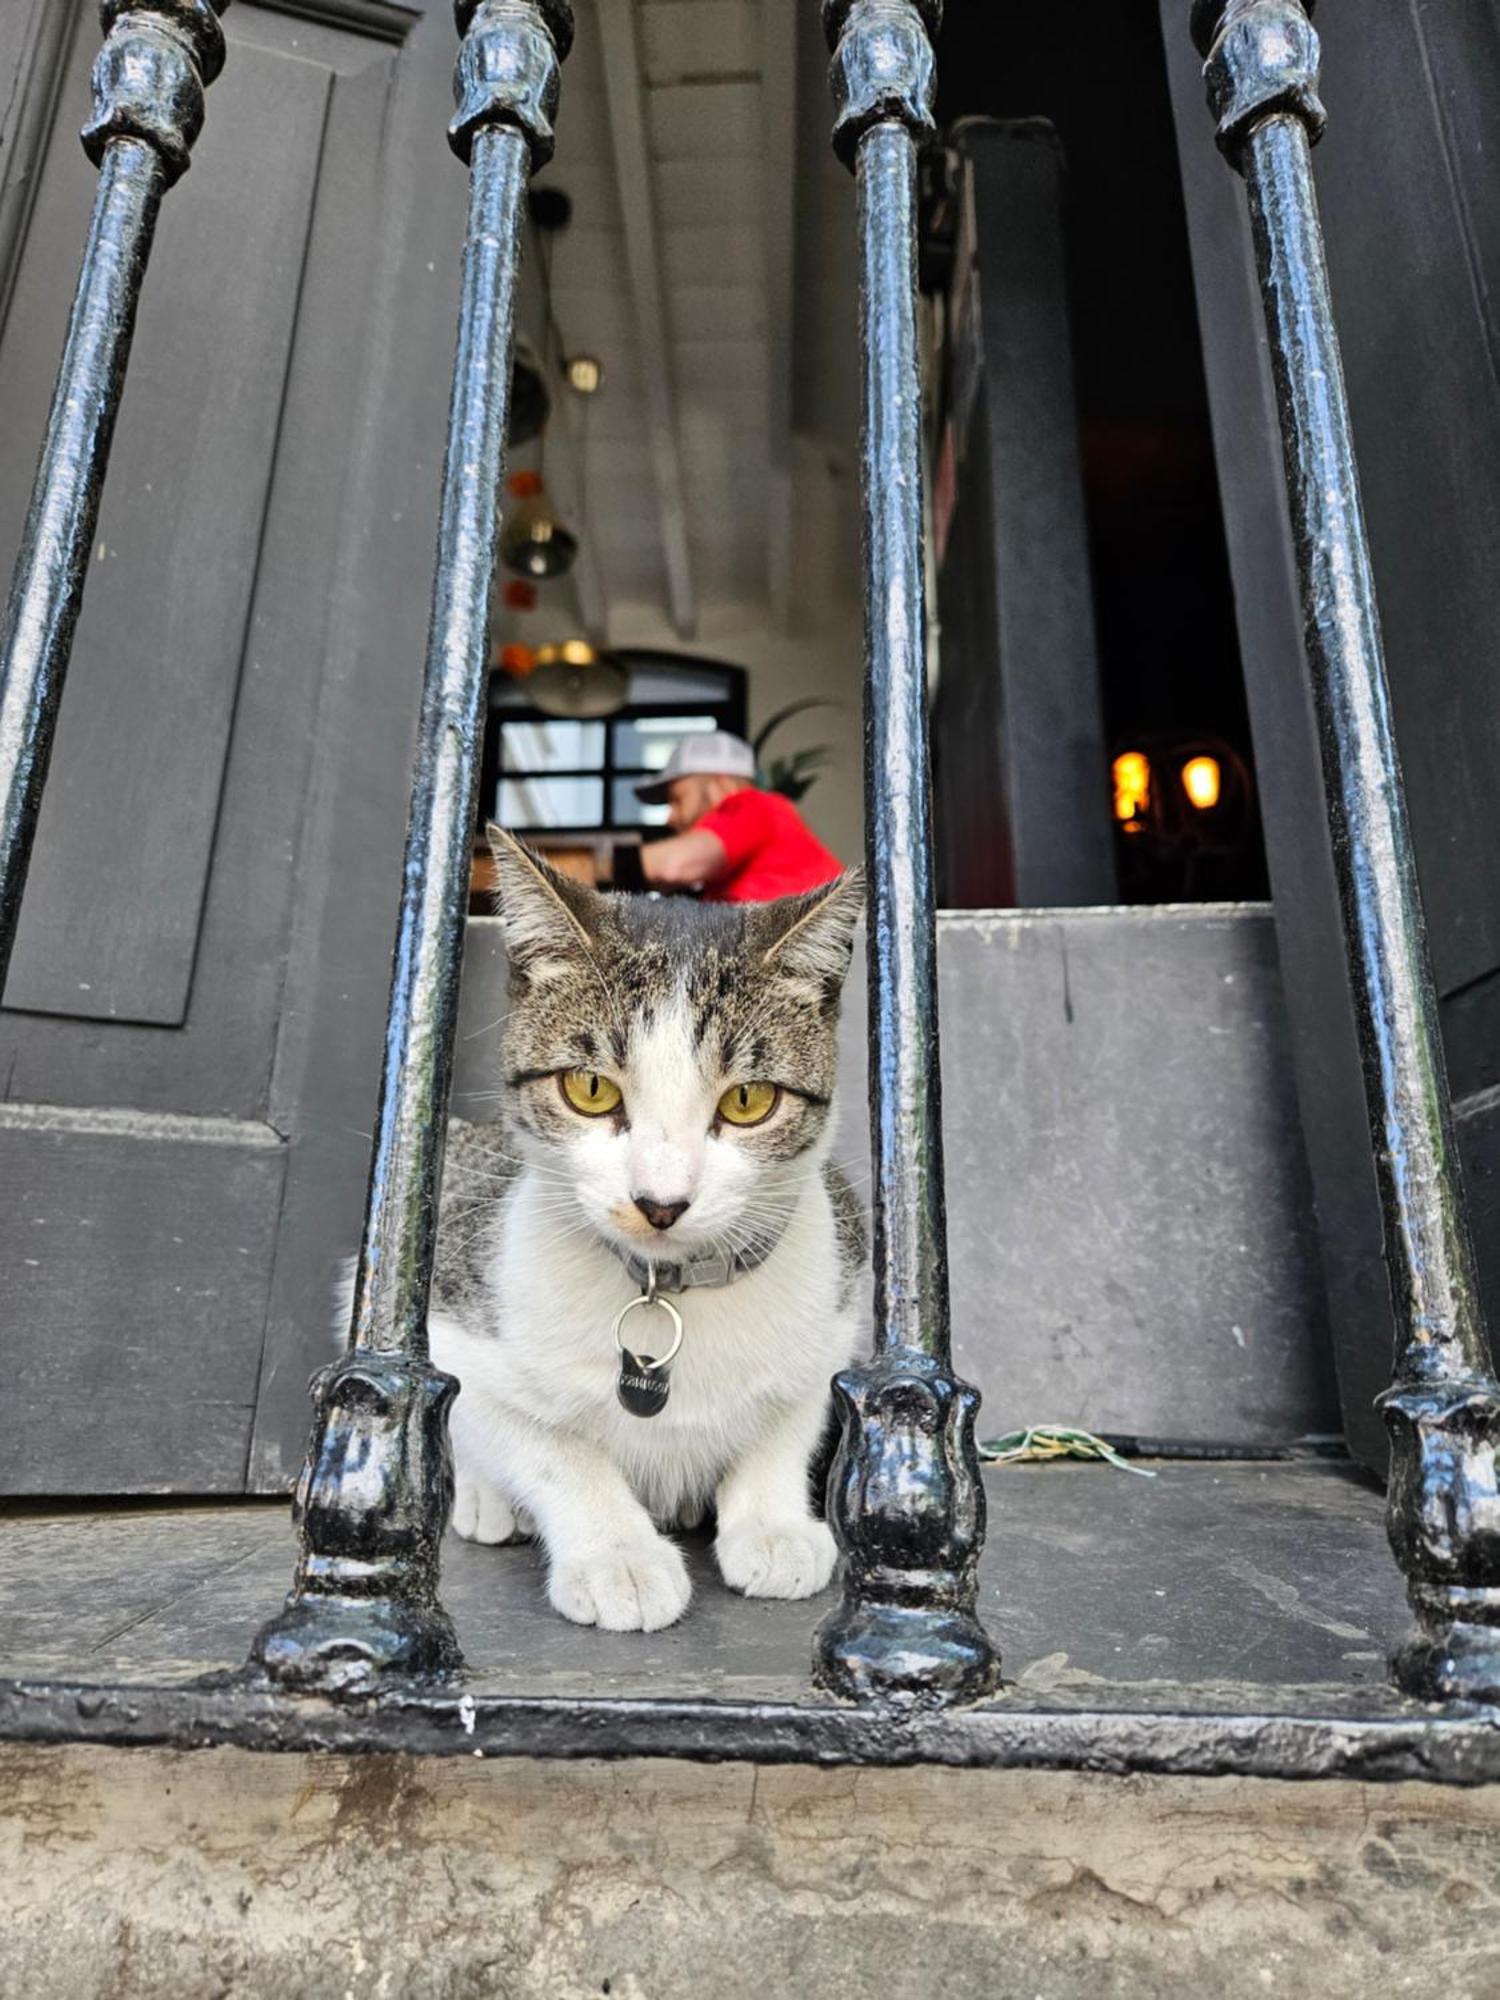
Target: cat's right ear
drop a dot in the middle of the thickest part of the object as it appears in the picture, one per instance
(550, 920)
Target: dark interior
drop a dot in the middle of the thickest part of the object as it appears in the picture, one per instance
(1169, 657)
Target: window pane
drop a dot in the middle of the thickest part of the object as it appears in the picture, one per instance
(628, 809)
(684, 684)
(571, 802)
(647, 744)
(551, 746)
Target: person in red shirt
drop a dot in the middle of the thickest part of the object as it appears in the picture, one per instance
(732, 841)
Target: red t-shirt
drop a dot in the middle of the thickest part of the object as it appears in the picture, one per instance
(772, 850)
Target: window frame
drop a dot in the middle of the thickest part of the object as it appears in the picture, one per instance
(727, 714)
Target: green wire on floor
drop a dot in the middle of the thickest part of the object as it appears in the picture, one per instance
(1039, 1443)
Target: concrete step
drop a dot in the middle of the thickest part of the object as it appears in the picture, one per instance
(1131, 1232)
(173, 1875)
(1185, 1786)
(1215, 1618)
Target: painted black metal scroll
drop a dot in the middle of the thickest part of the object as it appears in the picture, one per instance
(905, 1495)
(377, 1487)
(1443, 1409)
(148, 83)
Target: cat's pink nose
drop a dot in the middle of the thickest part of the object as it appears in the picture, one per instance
(660, 1214)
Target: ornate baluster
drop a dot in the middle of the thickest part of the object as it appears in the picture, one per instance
(905, 1497)
(377, 1487)
(149, 79)
(1443, 1408)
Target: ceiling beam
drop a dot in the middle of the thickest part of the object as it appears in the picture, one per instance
(778, 90)
(623, 90)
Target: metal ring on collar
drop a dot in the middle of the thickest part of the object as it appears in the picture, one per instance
(662, 1305)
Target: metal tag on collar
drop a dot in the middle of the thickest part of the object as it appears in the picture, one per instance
(645, 1380)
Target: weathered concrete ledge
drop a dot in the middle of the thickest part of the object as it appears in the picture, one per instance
(1370, 1737)
(140, 1872)
(1214, 1619)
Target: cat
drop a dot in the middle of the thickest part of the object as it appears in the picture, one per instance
(668, 1075)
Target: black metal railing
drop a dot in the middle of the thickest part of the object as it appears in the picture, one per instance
(1443, 1408)
(149, 80)
(905, 1497)
(377, 1487)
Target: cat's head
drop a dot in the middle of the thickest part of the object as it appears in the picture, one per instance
(669, 1065)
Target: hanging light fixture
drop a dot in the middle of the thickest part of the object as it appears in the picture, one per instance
(577, 681)
(534, 541)
(530, 405)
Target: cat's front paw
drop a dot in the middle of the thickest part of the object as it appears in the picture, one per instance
(635, 1587)
(779, 1559)
(481, 1513)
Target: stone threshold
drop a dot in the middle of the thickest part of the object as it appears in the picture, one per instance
(1223, 1619)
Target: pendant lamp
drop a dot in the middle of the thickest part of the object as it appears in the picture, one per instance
(577, 681)
(534, 541)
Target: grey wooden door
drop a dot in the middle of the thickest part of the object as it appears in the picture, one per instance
(189, 1042)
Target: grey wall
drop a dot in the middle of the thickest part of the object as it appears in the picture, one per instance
(1131, 1230)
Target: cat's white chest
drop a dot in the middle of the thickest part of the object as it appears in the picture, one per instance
(772, 1338)
(761, 1338)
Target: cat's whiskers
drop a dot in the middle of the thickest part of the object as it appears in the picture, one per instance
(489, 1029)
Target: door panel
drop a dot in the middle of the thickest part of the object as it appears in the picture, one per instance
(138, 1261)
(219, 853)
(113, 906)
(278, 556)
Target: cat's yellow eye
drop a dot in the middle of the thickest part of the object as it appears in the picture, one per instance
(748, 1103)
(590, 1093)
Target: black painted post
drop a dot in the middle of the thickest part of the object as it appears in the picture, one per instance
(377, 1486)
(906, 1500)
(149, 80)
(1443, 1409)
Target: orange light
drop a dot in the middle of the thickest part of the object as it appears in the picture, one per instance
(1132, 775)
(1201, 782)
(517, 661)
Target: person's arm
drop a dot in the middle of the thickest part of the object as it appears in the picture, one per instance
(684, 861)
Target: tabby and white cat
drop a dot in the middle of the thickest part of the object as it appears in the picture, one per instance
(668, 1070)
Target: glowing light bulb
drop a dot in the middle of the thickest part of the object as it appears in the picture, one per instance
(585, 374)
(1132, 776)
(1201, 781)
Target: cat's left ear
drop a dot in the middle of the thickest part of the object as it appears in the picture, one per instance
(813, 935)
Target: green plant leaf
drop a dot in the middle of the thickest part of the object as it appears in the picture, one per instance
(782, 715)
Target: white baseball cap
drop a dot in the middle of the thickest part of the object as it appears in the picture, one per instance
(711, 753)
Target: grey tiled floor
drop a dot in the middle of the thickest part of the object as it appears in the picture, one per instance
(1099, 1585)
